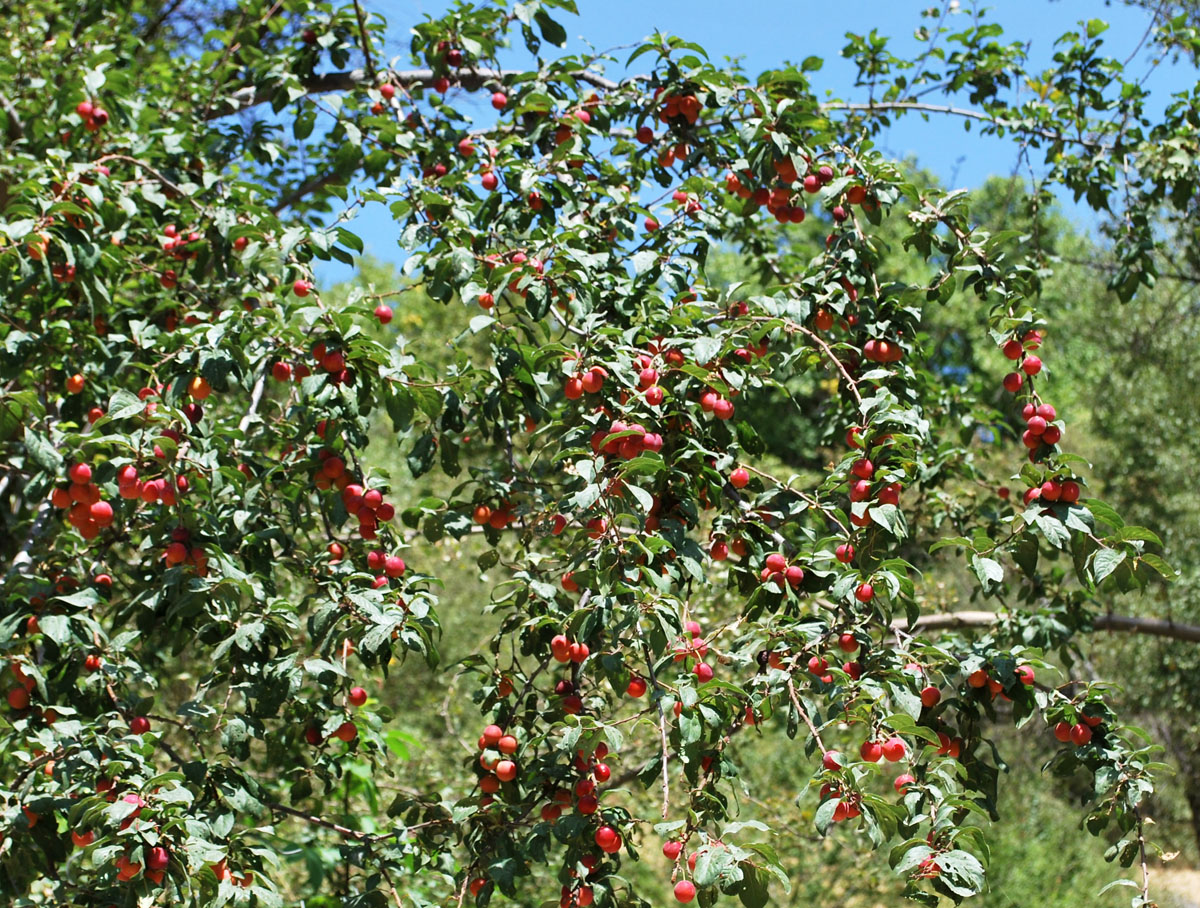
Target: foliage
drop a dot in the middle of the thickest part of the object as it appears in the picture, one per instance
(208, 557)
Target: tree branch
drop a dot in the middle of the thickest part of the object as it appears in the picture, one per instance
(23, 558)
(470, 80)
(16, 129)
(884, 106)
(305, 189)
(366, 41)
(1154, 627)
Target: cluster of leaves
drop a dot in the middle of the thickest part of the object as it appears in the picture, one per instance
(184, 646)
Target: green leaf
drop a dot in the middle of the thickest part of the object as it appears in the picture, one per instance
(989, 572)
(551, 30)
(1160, 565)
(824, 816)
(1104, 562)
(43, 452)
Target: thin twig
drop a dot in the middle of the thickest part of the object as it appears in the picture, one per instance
(362, 36)
(803, 715)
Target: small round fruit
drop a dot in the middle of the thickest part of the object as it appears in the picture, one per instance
(357, 696)
(139, 725)
(347, 732)
(893, 749)
(685, 891)
(199, 388)
(18, 698)
(608, 840)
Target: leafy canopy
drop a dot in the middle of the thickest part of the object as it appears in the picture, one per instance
(208, 560)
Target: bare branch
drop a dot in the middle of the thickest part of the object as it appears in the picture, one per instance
(23, 558)
(884, 106)
(16, 129)
(1154, 627)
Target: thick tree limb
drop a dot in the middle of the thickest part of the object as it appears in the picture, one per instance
(1155, 627)
(23, 558)
(468, 79)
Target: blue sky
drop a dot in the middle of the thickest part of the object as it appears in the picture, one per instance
(764, 33)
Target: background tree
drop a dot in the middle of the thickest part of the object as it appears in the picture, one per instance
(222, 602)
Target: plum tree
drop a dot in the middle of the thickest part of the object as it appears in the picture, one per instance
(184, 415)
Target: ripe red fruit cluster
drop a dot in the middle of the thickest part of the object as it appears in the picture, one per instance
(497, 518)
(693, 645)
(331, 361)
(496, 747)
(392, 565)
(718, 406)
(94, 116)
(564, 650)
(367, 506)
(848, 802)
(18, 697)
(891, 749)
(176, 244)
(86, 511)
(1080, 733)
(628, 447)
(883, 351)
(1040, 427)
(1030, 365)
(686, 106)
(648, 379)
(591, 381)
(980, 679)
(777, 572)
(608, 840)
(130, 486)
(862, 472)
(180, 550)
(572, 703)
